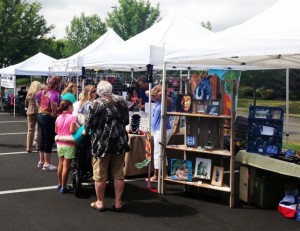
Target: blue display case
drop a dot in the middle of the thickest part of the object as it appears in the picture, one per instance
(265, 130)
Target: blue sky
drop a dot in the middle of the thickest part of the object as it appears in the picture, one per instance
(221, 13)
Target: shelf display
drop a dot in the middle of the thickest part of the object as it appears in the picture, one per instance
(265, 130)
(204, 146)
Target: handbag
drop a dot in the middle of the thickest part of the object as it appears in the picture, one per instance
(81, 116)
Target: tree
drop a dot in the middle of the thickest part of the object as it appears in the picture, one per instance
(206, 25)
(132, 17)
(83, 31)
(20, 29)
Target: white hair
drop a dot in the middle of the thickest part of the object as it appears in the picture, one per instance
(103, 88)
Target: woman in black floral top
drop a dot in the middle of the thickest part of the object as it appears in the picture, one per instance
(107, 120)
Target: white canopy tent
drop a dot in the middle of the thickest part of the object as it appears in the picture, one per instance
(85, 57)
(147, 47)
(37, 65)
(270, 39)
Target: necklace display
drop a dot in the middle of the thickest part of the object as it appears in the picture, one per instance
(135, 124)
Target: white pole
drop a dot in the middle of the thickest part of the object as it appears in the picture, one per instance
(161, 170)
(15, 90)
(287, 106)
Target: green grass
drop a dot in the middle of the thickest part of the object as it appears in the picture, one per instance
(291, 145)
(294, 106)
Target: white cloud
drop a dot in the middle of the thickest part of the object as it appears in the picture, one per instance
(221, 13)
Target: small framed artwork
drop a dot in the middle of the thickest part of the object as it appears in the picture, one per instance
(191, 141)
(201, 107)
(217, 176)
(184, 103)
(213, 110)
(203, 168)
(181, 170)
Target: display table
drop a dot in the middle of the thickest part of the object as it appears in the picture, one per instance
(135, 155)
(268, 163)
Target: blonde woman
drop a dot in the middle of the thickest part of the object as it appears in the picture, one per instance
(87, 97)
(32, 112)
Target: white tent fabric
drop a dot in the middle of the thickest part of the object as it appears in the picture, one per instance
(36, 65)
(270, 39)
(147, 46)
(86, 56)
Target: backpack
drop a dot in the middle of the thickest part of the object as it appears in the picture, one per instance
(45, 105)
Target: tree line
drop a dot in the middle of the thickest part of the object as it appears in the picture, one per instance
(24, 31)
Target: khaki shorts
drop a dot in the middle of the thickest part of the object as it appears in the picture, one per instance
(101, 165)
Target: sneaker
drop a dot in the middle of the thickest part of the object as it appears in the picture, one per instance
(58, 187)
(49, 167)
(64, 190)
(34, 144)
(40, 164)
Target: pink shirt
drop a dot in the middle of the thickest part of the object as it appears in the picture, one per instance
(63, 124)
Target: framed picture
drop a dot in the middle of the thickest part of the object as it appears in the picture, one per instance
(201, 107)
(203, 168)
(217, 177)
(181, 170)
(204, 86)
(191, 141)
(184, 103)
(213, 110)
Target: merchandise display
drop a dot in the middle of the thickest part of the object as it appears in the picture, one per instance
(265, 130)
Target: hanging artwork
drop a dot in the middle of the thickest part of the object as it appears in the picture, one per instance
(203, 168)
(181, 170)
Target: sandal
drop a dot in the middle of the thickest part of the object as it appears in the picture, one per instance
(151, 179)
(117, 209)
(99, 209)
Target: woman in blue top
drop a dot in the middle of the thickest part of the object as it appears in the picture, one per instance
(156, 118)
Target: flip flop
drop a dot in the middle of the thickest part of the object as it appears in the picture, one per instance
(151, 180)
(117, 209)
(94, 206)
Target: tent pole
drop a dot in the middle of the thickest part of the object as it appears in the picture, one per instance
(15, 90)
(287, 114)
(1, 99)
(162, 169)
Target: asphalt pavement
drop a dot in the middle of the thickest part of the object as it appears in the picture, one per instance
(29, 200)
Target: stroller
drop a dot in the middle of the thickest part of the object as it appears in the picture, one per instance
(82, 166)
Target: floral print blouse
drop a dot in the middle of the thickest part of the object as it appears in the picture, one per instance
(107, 120)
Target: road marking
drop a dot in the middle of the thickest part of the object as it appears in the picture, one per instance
(51, 187)
(14, 153)
(5, 122)
(27, 190)
(15, 133)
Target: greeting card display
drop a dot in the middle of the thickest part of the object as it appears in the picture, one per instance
(217, 177)
(203, 168)
(181, 170)
(184, 103)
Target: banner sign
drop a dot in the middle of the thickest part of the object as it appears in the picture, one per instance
(7, 81)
